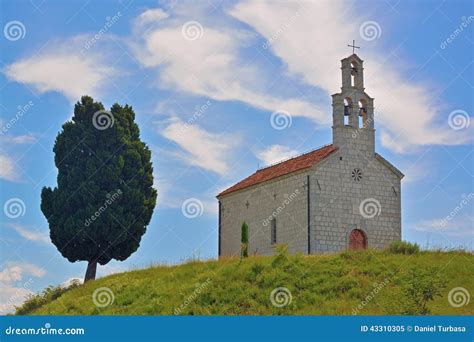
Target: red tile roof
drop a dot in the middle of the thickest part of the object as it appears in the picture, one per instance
(297, 163)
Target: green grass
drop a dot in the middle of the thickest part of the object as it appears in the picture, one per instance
(334, 284)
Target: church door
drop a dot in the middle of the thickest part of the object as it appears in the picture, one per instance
(357, 240)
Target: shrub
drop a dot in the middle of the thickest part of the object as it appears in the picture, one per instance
(421, 287)
(257, 268)
(281, 255)
(48, 295)
(403, 247)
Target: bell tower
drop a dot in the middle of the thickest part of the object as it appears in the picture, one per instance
(353, 110)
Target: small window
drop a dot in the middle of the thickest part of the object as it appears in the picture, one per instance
(274, 231)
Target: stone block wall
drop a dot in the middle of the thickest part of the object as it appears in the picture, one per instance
(284, 198)
(342, 204)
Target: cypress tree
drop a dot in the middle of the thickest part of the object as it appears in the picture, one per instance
(104, 197)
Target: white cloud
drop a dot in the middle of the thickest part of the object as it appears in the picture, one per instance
(210, 66)
(8, 171)
(9, 168)
(206, 150)
(16, 280)
(112, 267)
(12, 296)
(71, 281)
(151, 16)
(211, 207)
(23, 139)
(171, 195)
(275, 153)
(65, 69)
(406, 110)
(449, 227)
(417, 171)
(309, 37)
(16, 271)
(18, 139)
(434, 225)
(31, 235)
(10, 274)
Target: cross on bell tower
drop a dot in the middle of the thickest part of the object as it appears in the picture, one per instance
(353, 46)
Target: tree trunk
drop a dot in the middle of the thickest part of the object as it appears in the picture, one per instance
(90, 272)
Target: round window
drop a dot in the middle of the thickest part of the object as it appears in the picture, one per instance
(356, 175)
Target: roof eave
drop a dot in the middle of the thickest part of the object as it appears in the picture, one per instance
(389, 165)
(222, 194)
(227, 192)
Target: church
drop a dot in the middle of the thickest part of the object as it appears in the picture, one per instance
(341, 196)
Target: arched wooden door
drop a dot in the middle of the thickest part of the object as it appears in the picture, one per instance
(357, 240)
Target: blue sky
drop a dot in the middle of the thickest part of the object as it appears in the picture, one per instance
(217, 71)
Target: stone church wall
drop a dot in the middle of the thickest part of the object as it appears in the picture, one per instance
(289, 207)
(339, 200)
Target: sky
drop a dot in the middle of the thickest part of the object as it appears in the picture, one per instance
(219, 89)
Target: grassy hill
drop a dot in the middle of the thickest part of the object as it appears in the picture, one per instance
(368, 282)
